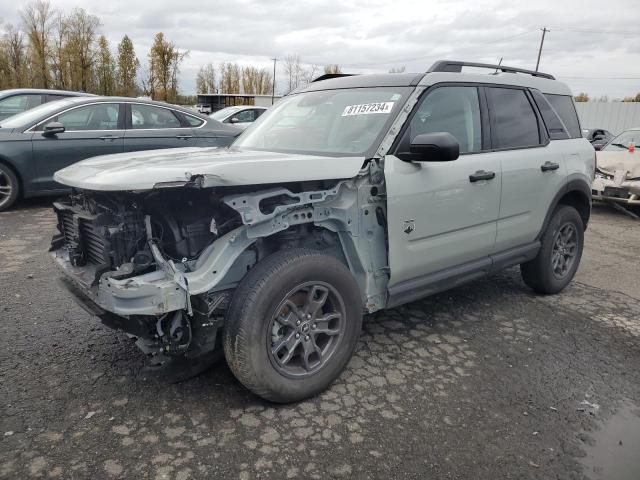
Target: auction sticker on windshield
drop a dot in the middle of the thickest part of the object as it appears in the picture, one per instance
(367, 108)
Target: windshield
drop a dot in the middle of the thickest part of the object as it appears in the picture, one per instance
(330, 122)
(26, 119)
(220, 115)
(622, 141)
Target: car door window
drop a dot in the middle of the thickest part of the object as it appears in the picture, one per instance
(101, 116)
(455, 110)
(563, 105)
(19, 103)
(514, 122)
(245, 116)
(152, 117)
(193, 121)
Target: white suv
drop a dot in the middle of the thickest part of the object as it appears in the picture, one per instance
(351, 195)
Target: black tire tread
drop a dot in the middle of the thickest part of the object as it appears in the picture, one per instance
(235, 336)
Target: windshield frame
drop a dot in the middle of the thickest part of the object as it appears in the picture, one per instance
(404, 92)
(615, 141)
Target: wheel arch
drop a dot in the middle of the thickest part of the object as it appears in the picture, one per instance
(5, 162)
(577, 194)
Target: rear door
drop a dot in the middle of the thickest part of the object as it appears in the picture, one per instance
(151, 127)
(533, 167)
(90, 130)
(441, 214)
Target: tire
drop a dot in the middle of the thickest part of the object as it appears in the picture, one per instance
(543, 274)
(259, 338)
(9, 187)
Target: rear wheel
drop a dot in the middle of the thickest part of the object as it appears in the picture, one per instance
(293, 325)
(9, 187)
(559, 255)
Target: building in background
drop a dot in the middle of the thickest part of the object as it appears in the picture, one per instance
(212, 102)
(613, 116)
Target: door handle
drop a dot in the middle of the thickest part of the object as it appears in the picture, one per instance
(548, 166)
(184, 137)
(481, 175)
(108, 137)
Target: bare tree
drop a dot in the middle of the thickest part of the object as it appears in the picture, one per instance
(206, 79)
(105, 68)
(293, 70)
(81, 37)
(14, 55)
(310, 73)
(332, 69)
(37, 18)
(229, 78)
(164, 66)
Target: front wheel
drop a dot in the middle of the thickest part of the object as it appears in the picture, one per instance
(293, 325)
(9, 187)
(559, 255)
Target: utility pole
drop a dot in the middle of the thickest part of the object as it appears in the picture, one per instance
(273, 84)
(544, 31)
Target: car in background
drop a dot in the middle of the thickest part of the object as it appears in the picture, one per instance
(239, 116)
(36, 143)
(598, 137)
(19, 100)
(617, 176)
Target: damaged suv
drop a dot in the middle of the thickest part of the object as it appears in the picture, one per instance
(350, 195)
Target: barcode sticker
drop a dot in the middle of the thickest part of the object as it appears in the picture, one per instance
(367, 108)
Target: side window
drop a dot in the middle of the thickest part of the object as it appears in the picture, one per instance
(150, 116)
(259, 112)
(53, 98)
(245, 116)
(563, 105)
(18, 104)
(193, 121)
(101, 116)
(555, 127)
(514, 122)
(451, 109)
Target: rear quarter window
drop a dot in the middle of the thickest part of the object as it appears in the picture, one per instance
(564, 107)
(555, 126)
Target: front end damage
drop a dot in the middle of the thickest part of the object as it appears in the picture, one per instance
(617, 178)
(162, 265)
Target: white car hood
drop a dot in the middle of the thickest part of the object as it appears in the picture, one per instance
(217, 166)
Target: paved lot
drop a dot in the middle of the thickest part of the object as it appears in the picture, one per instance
(487, 381)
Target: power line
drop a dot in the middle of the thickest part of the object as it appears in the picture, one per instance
(414, 59)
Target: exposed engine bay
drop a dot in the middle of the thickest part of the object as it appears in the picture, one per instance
(162, 265)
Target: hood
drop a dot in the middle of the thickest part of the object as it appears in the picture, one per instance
(609, 162)
(216, 166)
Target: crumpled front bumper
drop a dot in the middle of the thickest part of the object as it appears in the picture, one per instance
(149, 294)
(626, 192)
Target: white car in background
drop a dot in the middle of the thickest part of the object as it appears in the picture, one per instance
(239, 116)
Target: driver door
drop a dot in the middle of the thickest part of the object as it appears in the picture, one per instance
(90, 130)
(441, 221)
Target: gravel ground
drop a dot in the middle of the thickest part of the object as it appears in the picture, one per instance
(486, 381)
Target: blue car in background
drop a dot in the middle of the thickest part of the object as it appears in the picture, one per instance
(36, 143)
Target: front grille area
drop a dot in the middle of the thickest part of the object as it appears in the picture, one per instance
(103, 239)
(84, 241)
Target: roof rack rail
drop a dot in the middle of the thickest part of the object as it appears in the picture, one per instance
(456, 67)
(328, 76)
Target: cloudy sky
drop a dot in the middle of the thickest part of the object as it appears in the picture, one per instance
(593, 45)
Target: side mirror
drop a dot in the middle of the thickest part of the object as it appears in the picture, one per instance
(53, 128)
(434, 147)
(234, 120)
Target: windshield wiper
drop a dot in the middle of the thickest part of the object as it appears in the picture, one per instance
(621, 145)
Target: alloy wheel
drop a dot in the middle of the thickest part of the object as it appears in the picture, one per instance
(306, 329)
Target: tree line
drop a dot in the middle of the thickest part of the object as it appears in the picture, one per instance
(584, 97)
(51, 48)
